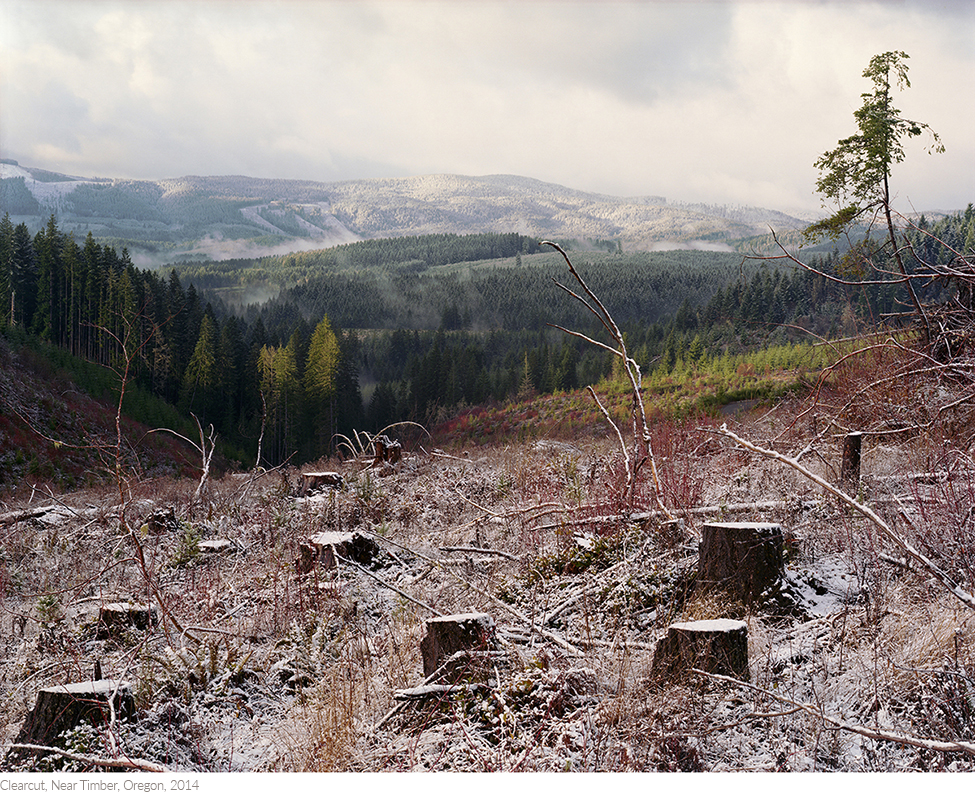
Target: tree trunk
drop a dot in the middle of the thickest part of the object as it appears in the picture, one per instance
(326, 546)
(742, 560)
(317, 481)
(114, 618)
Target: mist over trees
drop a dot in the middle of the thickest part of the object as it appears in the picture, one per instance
(413, 329)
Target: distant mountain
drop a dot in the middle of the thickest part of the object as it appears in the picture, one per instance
(237, 216)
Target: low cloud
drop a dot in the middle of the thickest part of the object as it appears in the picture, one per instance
(713, 102)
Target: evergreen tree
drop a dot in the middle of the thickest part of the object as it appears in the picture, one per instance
(320, 383)
(6, 265)
(201, 383)
(856, 173)
(23, 283)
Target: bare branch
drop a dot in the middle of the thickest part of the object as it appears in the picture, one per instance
(965, 597)
(870, 733)
(112, 763)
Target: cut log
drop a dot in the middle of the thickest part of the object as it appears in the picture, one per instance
(60, 708)
(117, 617)
(162, 520)
(713, 645)
(742, 560)
(317, 481)
(448, 635)
(324, 547)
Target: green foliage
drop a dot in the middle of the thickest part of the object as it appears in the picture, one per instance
(213, 666)
(49, 610)
(430, 336)
(856, 172)
(579, 554)
(188, 549)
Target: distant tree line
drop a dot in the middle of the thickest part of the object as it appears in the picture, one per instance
(296, 367)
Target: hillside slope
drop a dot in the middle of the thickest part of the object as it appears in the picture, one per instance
(237, 216)
(54, 435)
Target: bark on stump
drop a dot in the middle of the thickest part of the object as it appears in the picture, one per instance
(448, 635)
(323, 549)
(713, 645)
(850, 467)
(387, 451)
(60, 708)
(117, 617)
(317, 481)
(742, 560)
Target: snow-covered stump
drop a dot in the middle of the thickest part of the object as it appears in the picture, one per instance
(451, 634)
(318, 481)
(744, 561)
(60, 708)
(325, 547)
(713, 645)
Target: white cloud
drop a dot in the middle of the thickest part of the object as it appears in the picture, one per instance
(718, 102)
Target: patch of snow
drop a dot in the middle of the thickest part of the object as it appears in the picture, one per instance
(711, 625)
(47, 193)
(824, 586)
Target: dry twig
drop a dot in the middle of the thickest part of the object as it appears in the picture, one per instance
(870, 733)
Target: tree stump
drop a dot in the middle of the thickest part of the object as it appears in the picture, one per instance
(388, 451)
(742, 560)
(114, 618)
(457, 632)
(713, 645)
(213, 546)
(60, 708)
(323, 548)
(850, 467)
(317, 481)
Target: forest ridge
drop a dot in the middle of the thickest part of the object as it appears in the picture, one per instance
(236, 216)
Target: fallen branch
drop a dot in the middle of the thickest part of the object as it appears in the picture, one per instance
(95, 761)
(497, 601)
(652, 514)
(389, 586)
(860, 730)
(438, 673)
(481, 550)
(940, 575)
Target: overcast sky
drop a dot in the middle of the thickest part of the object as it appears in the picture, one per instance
(723, 102)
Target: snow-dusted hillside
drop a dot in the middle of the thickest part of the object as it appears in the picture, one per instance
(234, 216)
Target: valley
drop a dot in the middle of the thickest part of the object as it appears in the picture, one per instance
(557, 465)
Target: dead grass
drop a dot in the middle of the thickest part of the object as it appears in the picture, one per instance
(326, 653)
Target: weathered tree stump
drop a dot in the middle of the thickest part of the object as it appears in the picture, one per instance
(742, 560)
(448, 635)
(317, 481)
(114, 618)
(388, 451)
(213, 546)
(162, 520)
(850, 466)
(324, 547)
(60, 708)
(713, 645)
